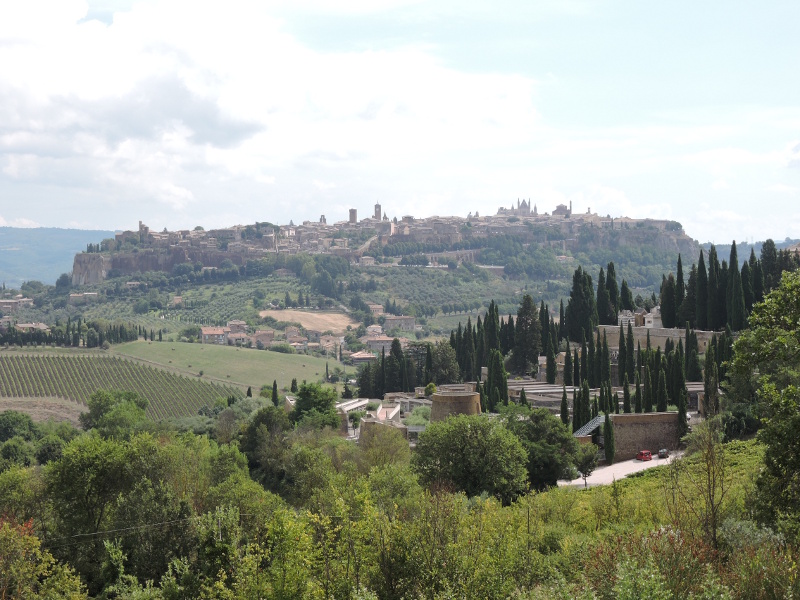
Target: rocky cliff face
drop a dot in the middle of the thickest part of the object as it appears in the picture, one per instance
(89, 268)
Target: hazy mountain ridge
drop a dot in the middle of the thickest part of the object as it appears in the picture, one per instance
(42, 253)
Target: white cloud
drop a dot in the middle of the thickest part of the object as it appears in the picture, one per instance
(720, 184)
(20, 222)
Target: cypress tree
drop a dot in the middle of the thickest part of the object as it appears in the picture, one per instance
(564, 406)
(482, 393)
(568, 366)
(626, 397)
(275, 392)
(647, 391)
(293, 388)
(595, 408)
(669, 307)
(494, 400)
(639, 359)
(562, 322)
(626, 297)
(581, 310)
(701, 306)
(680, 286)
(630, 361)
(249, 393)
(491, 328)
(523, 399)
(722, 291)
(544, 324)
(758, 277)
(686, 313)
(770, 268)
(584, 362)
(586, 404)
(661, 404)
(577, 395)
(605, 313)
(552, 368)
(747, 287)
(711, 384)
(714, 312)
(608, 440)
(622, 360)
(576, 368)
(605, 363)
(527, 337)
(613, 289)
(590, 364)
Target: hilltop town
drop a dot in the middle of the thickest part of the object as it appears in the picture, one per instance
(439, 239)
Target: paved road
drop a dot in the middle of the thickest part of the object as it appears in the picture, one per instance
(605, 475)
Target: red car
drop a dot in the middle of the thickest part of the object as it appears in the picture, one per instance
(644, 455)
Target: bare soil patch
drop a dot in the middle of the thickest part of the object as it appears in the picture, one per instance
(42, 409)
(312, 319)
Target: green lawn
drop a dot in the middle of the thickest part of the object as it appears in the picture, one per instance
(226, 364)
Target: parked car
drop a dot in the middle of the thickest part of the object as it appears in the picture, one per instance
(663, 453)
(644, 455)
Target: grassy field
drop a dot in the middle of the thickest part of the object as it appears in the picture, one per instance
(228, 365)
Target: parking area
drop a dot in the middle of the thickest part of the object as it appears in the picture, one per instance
(606, 474)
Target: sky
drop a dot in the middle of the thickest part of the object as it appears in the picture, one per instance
(181, 113)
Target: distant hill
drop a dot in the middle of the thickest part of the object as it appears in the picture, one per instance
(742, 249)
(41, 254)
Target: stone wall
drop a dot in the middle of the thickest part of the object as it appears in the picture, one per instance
(644, 431)
(447, 404)
(658, 336)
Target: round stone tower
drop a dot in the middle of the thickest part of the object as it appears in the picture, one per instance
(447, 404)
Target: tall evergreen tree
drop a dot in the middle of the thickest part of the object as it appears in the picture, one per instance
(581, 310)
(523, 399)
(626, 396)
(527, 337)
(622, 360)
(647, 390)
(605, 312)
(564, 406)
(680, 285)
(747, 287)
(562, 322)
(491, 328)
(605, 362)
(568, 366)
(701, 307)
(669, 307)
(714, 312)
(608, 440)
(590, 364)
(686, 313)
(661, 402)
(552, 368)
(428, 365)
(770, 268)
(629, 354)
(544, 323)
(576, 368)
(584, 362)
(711, 384)
(275, 392)
(637, 397)
(586, 408)
(626, 297)
(722, 291)
(577, 396)
(613, 289)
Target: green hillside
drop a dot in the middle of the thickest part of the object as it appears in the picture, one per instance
(78, 376)
(239, 366)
